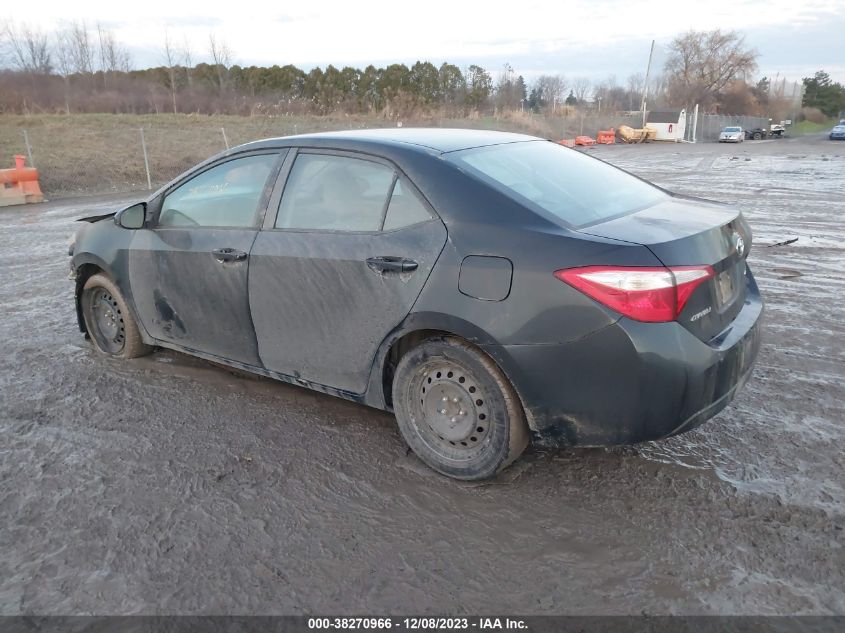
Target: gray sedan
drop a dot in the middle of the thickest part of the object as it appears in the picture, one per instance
(490, 289)
(732, 135)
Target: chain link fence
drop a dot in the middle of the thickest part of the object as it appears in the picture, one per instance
(709, 126)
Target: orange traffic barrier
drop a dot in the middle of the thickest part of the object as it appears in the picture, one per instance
(584, 140)
(606, 137)
(19, 185)
(568, 142)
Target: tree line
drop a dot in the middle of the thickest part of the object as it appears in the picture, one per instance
(78, 68)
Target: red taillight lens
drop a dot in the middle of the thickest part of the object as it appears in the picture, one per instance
(643, 294)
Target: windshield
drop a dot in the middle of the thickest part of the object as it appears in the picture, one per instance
(732, 129)
(558, 182)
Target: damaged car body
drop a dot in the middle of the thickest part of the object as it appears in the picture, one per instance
(490, 289)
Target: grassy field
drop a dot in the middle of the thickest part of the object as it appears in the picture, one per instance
(808, 127)
(101, 153)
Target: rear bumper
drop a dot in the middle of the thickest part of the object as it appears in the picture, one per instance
(632, 382)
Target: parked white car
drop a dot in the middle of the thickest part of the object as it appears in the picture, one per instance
(732, 135)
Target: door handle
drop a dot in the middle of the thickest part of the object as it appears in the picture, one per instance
(391, 264)
(228, 255)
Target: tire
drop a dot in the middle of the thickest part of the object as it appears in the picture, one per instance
(110, 325)
(757, 136)
(483, 428)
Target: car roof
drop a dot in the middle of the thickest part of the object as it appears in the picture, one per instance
(437, 140)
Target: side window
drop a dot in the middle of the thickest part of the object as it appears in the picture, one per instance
(334, 193)
(225, 195)
(404, 209)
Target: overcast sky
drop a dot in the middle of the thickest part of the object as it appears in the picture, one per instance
(593, 38)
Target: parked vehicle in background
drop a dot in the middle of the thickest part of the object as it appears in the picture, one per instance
(777, 130)
(732, 135)
(756, 134)
(837, 133)
(485, 287)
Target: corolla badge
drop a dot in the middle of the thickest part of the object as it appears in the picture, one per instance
(739, 243)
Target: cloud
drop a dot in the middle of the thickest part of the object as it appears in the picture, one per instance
(588, 37)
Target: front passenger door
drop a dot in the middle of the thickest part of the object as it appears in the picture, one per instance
(188, 271)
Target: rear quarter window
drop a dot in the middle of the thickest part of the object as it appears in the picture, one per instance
(561, 184)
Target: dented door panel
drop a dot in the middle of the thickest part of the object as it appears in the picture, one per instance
(186, 296)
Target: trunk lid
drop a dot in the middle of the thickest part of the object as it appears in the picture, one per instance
(683, 231)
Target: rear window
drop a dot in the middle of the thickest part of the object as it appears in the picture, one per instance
(559, 183)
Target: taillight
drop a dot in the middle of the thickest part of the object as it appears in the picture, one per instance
(643, 294)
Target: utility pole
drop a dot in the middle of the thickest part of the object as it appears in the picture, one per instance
(645, 84)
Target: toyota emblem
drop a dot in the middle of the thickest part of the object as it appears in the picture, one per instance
(739, 243)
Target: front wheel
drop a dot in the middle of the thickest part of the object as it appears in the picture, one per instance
(108, 320)
(757, 136)
(457, 411)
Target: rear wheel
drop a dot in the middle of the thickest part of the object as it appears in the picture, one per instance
(757, 136)
(456, 409)
(108, 321)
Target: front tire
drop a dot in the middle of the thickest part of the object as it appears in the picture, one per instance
(110, 325)
(457, 411)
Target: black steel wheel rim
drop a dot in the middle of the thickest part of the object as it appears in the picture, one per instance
(106, 321)
(450, 411)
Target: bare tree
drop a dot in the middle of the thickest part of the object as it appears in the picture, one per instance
(114, 57)
(170, 61)
(551, 88)
(221, 56)
(581, 88)
(63, 52)
(702, 63)
(188, 60)
(510, 89)
(609, 95)
(636, 82)
(81, 50)
(27, 48)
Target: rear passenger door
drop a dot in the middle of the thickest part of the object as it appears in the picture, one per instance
(346, 247)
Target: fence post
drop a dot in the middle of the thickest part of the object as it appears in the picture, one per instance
(28, 148)
(225, 140)
(146, 160)
(694, 122)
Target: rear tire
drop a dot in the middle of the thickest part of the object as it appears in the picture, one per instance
(110, 325)
(457, 411)
(757, 136)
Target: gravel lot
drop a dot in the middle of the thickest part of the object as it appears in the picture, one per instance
(168, 485)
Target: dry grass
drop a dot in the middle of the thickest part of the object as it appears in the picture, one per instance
(99, 153)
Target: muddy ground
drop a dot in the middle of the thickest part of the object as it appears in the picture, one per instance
(168, 485)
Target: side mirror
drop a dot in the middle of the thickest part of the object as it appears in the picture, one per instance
(132, 217)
